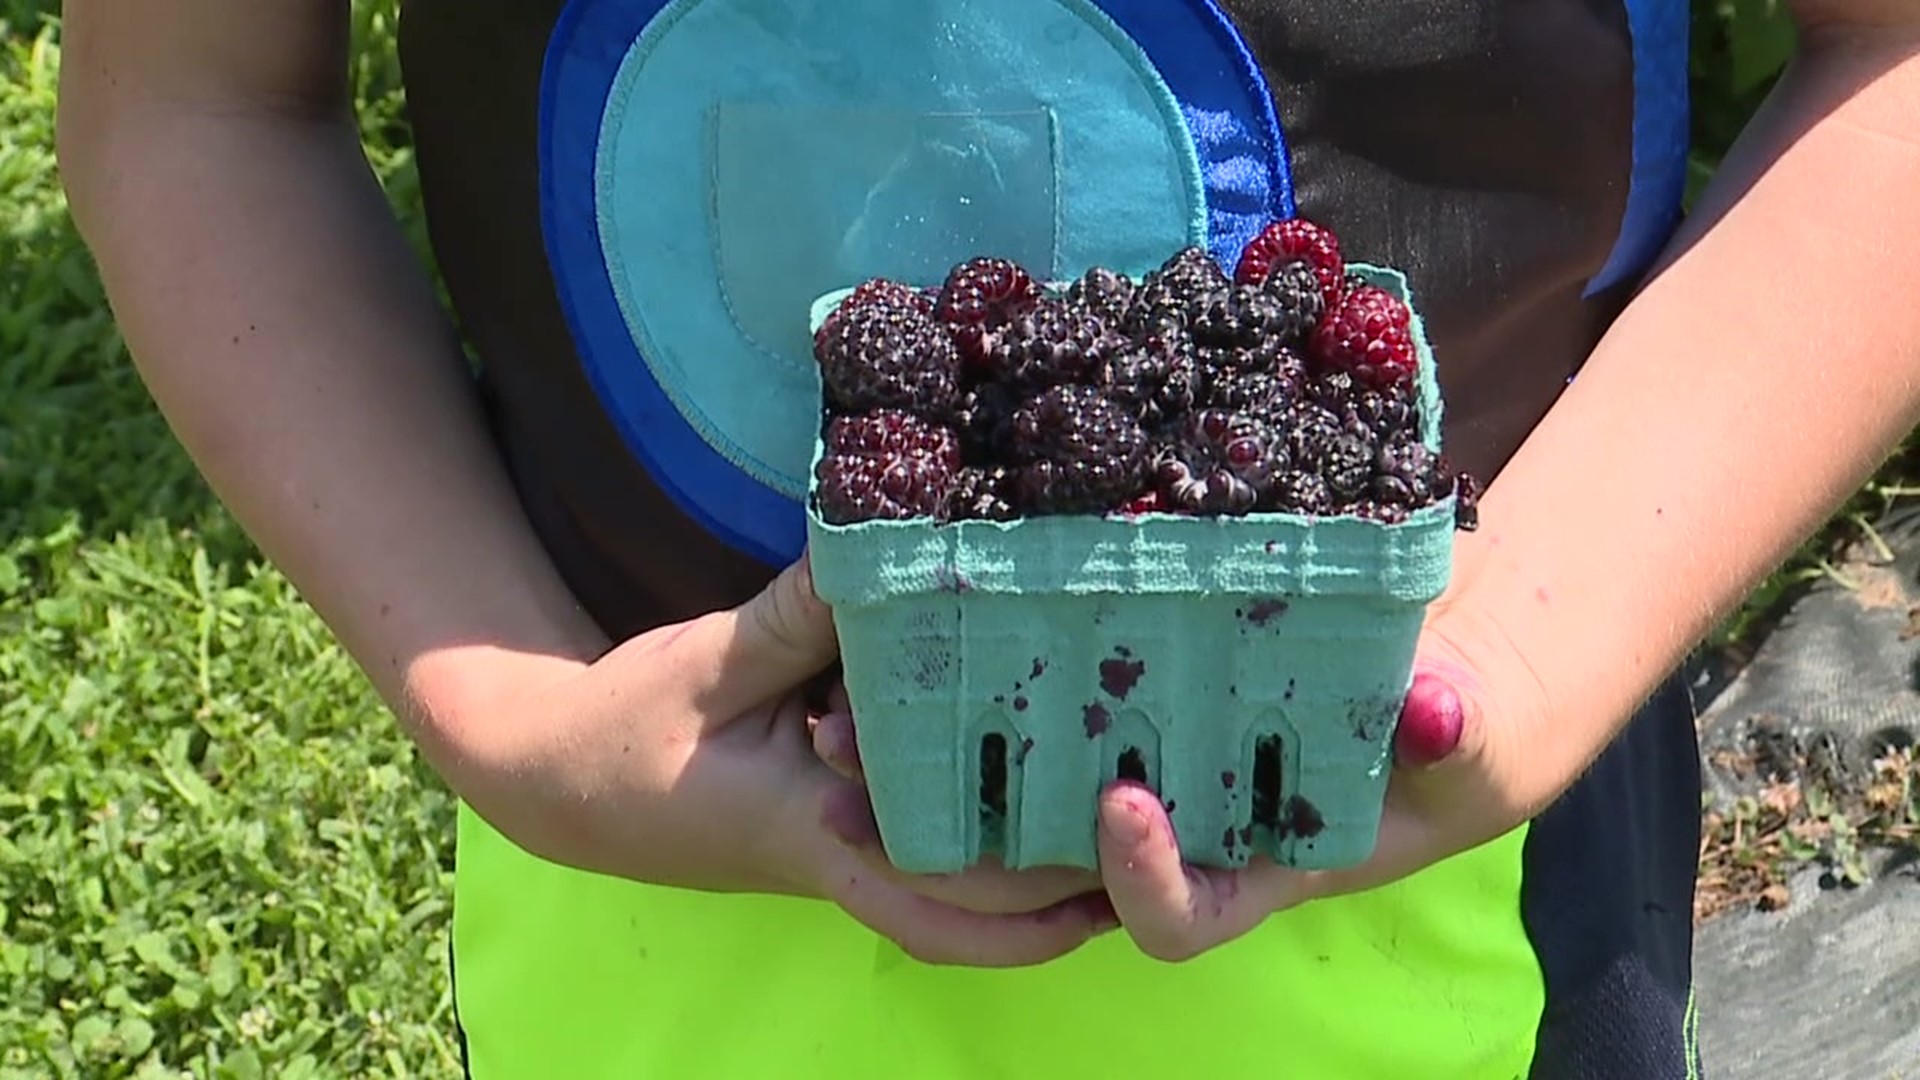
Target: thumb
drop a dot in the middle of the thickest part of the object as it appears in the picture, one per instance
(1433, 722)
(764, 648)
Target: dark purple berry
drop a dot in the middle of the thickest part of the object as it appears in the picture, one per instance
(1466, 507)
(1347, 466)
(1158, 382)
(1241, 317)
(1220, 462)
(1296, 288)
(892, 433)
(1171, 297)
(978, 298)
(982, 419)
(981, 495)
(884, 355)
(1310, 430)
(854, 489)
(1052, 343)
(1406, 473)
(1304, 493)
(986, 292)
(1385, 412)
(1105, 293)
(1078, 451)
(1258, 393)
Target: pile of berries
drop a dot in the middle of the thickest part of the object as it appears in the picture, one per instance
(1288, 386)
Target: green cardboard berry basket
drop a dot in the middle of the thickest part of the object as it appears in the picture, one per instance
(1249, 669)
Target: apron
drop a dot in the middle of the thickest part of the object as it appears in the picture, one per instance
(630, 200)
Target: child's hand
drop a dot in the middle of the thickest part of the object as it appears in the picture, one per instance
(988, 886)
(1449, 792)
(685, 757)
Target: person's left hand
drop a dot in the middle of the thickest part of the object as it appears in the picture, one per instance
(1455, 785)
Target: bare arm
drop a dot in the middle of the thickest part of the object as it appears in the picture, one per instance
(288, 334)
(1752, 386)
(283, 326)
(1749, 389)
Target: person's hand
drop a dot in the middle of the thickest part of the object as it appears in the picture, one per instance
(1454, 787)
(986, 886)
(686, 757)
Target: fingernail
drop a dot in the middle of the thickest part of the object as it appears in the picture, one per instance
(847, 750)
(1431, 722)
(1131, 826)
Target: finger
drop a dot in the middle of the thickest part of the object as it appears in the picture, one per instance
(765, 647)
(926, 928)
(1446, 757)
(1174, 911)
(1433, 722)
(837, 700)
(988, 886)
(938, 933)
(834, 742)
(1438, 801)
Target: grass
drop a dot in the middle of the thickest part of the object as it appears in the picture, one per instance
(217, 855)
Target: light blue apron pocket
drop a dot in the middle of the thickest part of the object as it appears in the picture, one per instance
(808, 199)
(712, 166)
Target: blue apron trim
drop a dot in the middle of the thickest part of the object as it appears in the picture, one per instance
(1229, 110)
(589, 42)
(1661, 138)
(675, 305)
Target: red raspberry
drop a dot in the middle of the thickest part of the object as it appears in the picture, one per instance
(1370, 336)
(1287, 241)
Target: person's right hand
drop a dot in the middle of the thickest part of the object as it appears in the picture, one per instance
(685, 757)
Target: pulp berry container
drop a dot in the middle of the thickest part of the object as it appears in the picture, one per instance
(1249, 669)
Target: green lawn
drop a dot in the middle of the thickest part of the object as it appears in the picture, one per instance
(217, 855)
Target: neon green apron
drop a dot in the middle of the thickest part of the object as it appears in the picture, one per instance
(681, 226)
(565, 974)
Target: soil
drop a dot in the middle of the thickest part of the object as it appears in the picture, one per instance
(1805, 960)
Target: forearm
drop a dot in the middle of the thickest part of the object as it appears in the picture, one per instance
(1753, 385)
(289, 336)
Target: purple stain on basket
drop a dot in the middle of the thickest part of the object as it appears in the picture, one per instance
(1097, 720)
(1288, 696)
(1039, 669)
(1122, 651)
(1265, 611)
(1118, 677)
(1026, 747)
(1229, 841)
(1273, 547)
(1302, 818)
(951, 580)
(1020, 704)
(1227, 779)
